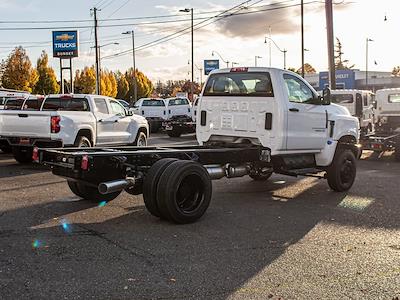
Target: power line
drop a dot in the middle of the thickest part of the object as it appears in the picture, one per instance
(119, 8)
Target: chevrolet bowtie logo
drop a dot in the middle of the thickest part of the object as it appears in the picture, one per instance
(64, 37)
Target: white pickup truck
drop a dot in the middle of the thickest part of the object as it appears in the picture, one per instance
(153, 109)
(71, 121)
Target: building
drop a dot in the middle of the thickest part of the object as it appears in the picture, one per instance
(355, 79)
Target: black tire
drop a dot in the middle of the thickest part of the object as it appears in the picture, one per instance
(91, 193)
(184, 192)
(175, 132)
(261, 176)
(23, 155)
(154, 127)
(150, 185)
(73, 186)
(82, 142)
(6, 149)
(141, 140)
(343, 170)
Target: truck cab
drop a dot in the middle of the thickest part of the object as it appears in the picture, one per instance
(153, 109)
(388, 110)
(360, 104)
(276, 109)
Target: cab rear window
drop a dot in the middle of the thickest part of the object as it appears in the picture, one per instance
(153, 102)
(13, 104)
(342, 98)
(66, 104)
(394, 98)
(178, 101)
(239, 84)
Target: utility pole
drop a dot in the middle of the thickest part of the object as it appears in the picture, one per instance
(331, 54)
(96, 46)
(302, 38)
(132, 32)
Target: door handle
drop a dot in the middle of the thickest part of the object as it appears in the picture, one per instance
(116, 121)
(101, 121)
(294, 109)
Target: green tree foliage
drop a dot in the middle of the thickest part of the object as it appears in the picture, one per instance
(18, 72)
(396, 71)
(340, 63)
(47, 83)
(144, 85)
(85, 81)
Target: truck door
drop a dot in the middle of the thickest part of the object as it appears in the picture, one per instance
(307, 119)
(105, 122)
(122, 123)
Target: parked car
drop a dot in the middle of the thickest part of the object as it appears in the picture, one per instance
(153, 109)
(71, 121)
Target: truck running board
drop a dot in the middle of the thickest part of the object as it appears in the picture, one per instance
(309, 172)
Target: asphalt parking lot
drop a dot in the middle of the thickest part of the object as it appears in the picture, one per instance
(288, 238)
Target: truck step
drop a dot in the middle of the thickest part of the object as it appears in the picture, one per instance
(310, 172)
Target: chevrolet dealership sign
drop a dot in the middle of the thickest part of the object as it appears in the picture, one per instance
(65, 44)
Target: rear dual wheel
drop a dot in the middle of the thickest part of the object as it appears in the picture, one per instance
(180, 190)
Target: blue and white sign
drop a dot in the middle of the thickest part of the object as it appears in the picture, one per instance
(65, 44)
(345, 79)
(210, 65)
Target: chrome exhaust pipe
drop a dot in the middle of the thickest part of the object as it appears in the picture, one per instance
(237, 171)
(216, 171)
(115, 185)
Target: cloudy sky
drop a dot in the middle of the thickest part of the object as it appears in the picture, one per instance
(238, 38)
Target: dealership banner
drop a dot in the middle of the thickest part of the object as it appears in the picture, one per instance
(210, 65)
(345, 79)
(65, 44)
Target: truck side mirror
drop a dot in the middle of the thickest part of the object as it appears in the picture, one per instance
(129, 113)
(359, 106)
(326, 96)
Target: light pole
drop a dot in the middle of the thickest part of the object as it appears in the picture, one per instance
(132, 32)
(99, 63)
(366, 61)
(255, 60)
(186, 10)
(220, 56)
(201, 74)
(284, 51)
(234, 63)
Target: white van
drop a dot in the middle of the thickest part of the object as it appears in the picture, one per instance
(153, 109)
(388, 108)
(360, 104)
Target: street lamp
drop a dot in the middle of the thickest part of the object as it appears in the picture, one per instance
(284, 51)
(255, 59)
(99, 62)
(132, 32)
(201, 74)
(366, 61)
(234, 63)
(187, 10)
(220, 56)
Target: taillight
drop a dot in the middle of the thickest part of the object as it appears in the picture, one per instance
(35, 154)
(55, 124)
(85, 163)
(240, 69)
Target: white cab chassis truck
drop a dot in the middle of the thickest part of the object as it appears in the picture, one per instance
(360, 104)
(387, 127)
(180, 120)
(71, 121)
(250, 122)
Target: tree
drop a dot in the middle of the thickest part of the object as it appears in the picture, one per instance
(144, 85)
(122, 86)
(187, 86)
(47, 82)
(85, 81)
(340, 63)
(17, 71)
(396, 71)
(308, 69)
(108, 84)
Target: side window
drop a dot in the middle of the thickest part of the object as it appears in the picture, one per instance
(136, 104)
(297, 90)
(117, 109)
(101, 105)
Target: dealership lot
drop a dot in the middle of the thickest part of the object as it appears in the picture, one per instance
(288, 238)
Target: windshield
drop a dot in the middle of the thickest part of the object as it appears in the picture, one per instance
(66, 104)
(153, 102)
(342, 98)
(239, 84)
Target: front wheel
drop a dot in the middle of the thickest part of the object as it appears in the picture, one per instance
(342, 172)
(141, 140)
